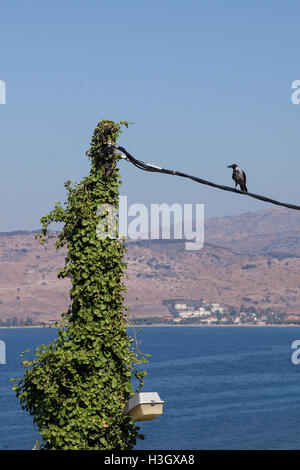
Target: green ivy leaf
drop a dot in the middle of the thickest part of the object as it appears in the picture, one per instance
(76, 387)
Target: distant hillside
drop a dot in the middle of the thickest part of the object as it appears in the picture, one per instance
(269, 231)
(248, 260)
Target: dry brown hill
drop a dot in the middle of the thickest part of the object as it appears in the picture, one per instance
(251, 260)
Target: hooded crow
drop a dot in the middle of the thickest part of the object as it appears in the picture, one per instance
(239, 177)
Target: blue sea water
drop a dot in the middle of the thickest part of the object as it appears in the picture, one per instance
(223, 387)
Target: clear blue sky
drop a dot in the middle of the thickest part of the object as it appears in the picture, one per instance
(207, 83)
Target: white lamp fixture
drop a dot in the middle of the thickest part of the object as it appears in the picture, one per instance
(144, 406)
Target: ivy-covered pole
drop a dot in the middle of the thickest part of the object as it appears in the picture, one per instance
(76, 388)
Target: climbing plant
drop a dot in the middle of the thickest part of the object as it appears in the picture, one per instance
(76, 388)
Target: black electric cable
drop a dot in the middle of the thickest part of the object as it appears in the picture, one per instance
(157, 169)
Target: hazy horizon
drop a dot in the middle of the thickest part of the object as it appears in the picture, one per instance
(270, 209)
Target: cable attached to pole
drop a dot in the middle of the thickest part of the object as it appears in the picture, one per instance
(158, 169)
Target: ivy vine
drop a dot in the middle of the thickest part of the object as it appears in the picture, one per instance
(76, 388)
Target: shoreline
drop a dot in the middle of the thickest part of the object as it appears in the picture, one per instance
(169, 325)
(224, 326)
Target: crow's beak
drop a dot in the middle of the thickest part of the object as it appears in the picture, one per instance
(229, 166)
